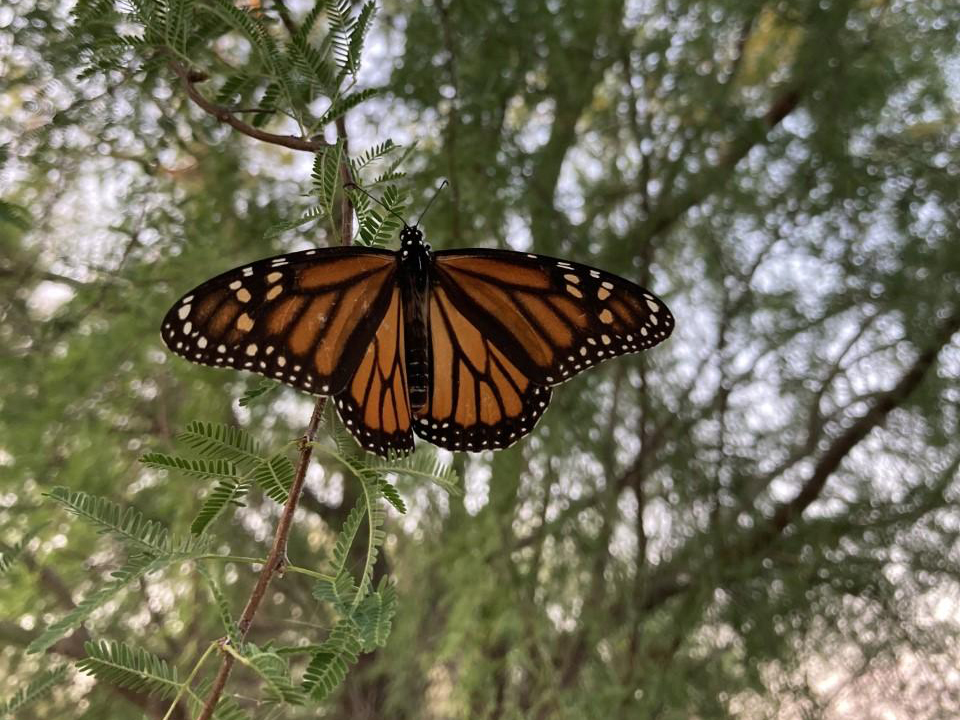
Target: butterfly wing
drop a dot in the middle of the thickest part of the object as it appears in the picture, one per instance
(506, 326)
(304, 318)
(479, 399)
(375, 405)
(554, 318)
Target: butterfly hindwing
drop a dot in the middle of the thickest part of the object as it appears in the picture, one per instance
(304, 318)
(479, 399)
(375, 404)
(552, 318)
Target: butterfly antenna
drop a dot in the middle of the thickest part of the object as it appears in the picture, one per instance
(354, 186)
(437, 192)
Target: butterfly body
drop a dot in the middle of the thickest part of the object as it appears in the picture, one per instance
(415, 288)
(461, 347)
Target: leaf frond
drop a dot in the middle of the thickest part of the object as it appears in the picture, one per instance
(129, 667)
(331, 662)
(220, 440)
(314, 213)
(225, 493)
(133, 570)
(191, 466)
(38, 687)
(144, 536)
(275, 477)
(275, 673)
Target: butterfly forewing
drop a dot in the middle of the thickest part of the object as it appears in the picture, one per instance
(303, 318)
(375, 404)
(551, 318)
(479, 399)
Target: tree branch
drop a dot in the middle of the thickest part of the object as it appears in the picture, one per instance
(188, 80)
(886, 402)
(678, 575)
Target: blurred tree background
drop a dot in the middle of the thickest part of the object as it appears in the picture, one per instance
(755, 520)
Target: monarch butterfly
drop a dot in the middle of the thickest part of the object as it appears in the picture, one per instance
(461, 347)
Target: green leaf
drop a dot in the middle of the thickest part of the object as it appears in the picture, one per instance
(132, 571)
(15, 215)
(326, 174)
(274, 671)
(178, 23)
(190, 466)
(224, 493)
(371, 155)
(392, 173)
(265, 387)
(9, 558)
(235, 88)
(342, 105)
(268, 104)
(358, 35)
(375, 534)
(275, 476)
(146, 536)
(37, 688)
(374, 616)
(377, 230)
(314, 213)
(340, 592)
(331, 662)
(129, 667)
(228, 709)
(223, 606)
(392, 496)
(313, 63)
(348, 533)
(340, 24)
(219, 440)
(421, 465)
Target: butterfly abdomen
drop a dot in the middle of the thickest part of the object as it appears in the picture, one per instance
(414, 283)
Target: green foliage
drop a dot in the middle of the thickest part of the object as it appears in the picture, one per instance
(16, 215)
(265, 387)
(134, 570)
(205, 469)
(326, 175)
(330, 664)
(379, 226)
(374, 616)
(275, 476)
(223, 606)
(129, 667)
(225, 493)
(275, 673)
(146, 537)
(784, 175)
(39, 686)
(221, 441)
(9, 557)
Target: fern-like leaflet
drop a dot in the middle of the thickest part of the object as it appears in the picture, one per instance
(129, 667)
(331, 662)
(38, 687)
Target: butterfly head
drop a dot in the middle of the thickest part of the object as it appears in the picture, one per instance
(411, 238)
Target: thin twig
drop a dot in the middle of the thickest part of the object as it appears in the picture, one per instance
(189, 79)
(275, 560)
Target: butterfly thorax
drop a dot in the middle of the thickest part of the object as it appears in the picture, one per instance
(414, 280)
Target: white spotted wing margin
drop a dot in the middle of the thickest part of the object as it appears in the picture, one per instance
(304, 319)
